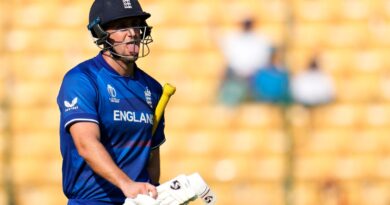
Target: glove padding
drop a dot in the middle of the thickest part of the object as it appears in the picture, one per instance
(141, 199)
(176, 191)
(201, 189)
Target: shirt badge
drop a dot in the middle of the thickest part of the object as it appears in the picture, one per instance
(71, 105)
(112, 93)
(148, 97)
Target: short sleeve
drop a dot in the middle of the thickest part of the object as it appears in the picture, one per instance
(77, 99)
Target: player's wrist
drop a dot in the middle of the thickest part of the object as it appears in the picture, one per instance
(124, 184)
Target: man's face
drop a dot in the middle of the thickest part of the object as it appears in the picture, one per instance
(125, 37)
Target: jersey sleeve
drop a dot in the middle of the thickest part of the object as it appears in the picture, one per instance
(77, 99)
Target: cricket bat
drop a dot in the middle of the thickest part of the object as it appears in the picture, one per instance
(168, 91)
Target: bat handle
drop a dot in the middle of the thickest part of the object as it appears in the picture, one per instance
(168, 91)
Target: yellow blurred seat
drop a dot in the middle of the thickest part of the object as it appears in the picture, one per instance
(275, 31)
(3, 195)
(316, 31)
(40, 67)
(72, 14)
(323, 141)
(270, 168)
(215, 117)
(34, 15)
(314, 10)
(377, 115)
(252, 193)
(353, 167)
(34, 93)
(369, 61)
(179, 38)
(40, 194)
(351, 90)
(35, 171)
(179, 117)
(270, 11)
(382, 171)
(375, 193)
(356, 9)
(384, 89)
(35, 144)
(46, 118)
(241, 142)
(202, 142)
(198, 12)
(346, 35)
(379, 30)
(338, 61)
(305, 193)
(256, 115)
(337, 115)
(311, 167)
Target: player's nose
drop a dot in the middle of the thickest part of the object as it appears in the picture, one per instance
(131, 32)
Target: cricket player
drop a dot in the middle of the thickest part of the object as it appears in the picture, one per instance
(107, 105)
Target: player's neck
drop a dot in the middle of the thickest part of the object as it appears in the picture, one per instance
(123, 68)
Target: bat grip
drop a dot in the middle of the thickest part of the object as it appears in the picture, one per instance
(168, 91)
(159, 112)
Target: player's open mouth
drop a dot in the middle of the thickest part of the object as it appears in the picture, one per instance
(132, 48)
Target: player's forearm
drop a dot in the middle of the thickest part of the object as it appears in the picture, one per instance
(87, 141)
(154, 166)
(101, 163)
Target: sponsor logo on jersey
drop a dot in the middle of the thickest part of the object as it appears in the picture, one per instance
(112, 92)
(71, 105)
(127, 4)
(148, 97)
(130, 116)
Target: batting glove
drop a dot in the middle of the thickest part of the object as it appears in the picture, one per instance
(141, 199)
(201, 189)
(177, 191)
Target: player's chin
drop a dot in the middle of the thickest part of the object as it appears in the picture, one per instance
(132, 57)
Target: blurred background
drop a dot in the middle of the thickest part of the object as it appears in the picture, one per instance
(251, 152)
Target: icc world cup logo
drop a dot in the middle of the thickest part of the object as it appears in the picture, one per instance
(111, 90)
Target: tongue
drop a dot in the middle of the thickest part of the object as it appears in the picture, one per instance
(133, 49)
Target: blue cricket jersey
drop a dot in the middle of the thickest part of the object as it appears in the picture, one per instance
(123, 107)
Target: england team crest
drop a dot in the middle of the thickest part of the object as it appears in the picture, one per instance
(148, 97)
(127, 4)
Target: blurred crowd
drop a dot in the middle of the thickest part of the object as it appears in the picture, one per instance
(256, 72)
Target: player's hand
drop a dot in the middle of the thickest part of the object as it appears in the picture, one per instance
(175, 192)
(131, 190)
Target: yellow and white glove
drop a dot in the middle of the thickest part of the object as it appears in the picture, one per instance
(141, 199)
(176, 191)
